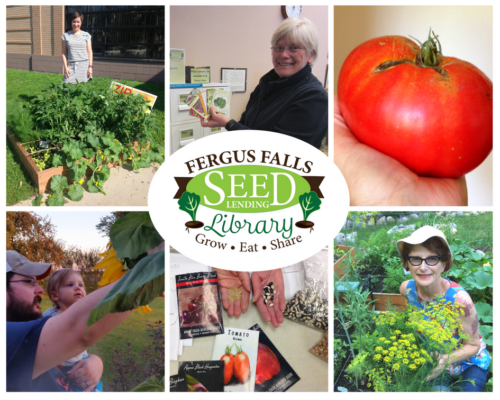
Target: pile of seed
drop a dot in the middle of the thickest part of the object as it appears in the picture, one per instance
(234, 293)
(309, 308)
(321, 349)
(268, 293)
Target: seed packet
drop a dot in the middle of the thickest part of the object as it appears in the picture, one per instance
(273, 374)
(178, 383)
(221, 101)
(196, 104)
(203, 376)
(238, 349)
(210, 99)
(198, 297)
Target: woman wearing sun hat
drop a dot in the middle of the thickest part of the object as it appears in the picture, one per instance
(427, 255)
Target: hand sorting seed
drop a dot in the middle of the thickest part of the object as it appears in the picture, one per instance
(268, 293)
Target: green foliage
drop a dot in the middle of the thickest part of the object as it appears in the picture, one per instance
(309, 202)
(42, 160)
(98, 124)
(151, 385)
(37, 201)
(339, 353)
(138, 287)
(189, 202)
(19, 186)
(395, 274)
(361, 217)
(134, 235)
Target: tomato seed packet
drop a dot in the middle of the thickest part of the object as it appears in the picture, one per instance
(238, 349)
(274, 374)
(198, 297)
(203, 376)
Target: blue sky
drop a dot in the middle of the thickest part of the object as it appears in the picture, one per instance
(78, 227)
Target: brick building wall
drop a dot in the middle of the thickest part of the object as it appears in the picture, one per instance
(34, 44)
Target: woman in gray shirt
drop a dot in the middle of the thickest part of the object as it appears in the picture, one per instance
(77, 52)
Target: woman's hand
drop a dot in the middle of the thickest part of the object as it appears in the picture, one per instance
(66, 73)
(231, 279)
(86, 373)
(217, 121)
(89, 72)
(442, 364)
(375, 179)
(260, 279)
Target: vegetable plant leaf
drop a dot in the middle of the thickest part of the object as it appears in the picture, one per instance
(189, 202)
(58, 183)
(151, 385)
(91, 185)
(89, 153)
(55, 200)
(75, 192)
(134, 235)
(486, 332)
(138, 287)
(484, 312)
(309, 202)
(58, 159)
(480, 280)
(37, 201)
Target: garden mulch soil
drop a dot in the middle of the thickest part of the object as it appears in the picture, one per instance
(124, 187)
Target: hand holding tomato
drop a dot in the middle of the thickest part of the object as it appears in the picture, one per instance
(430, 112)
(273, 314)
(375, 179)
(228, 280)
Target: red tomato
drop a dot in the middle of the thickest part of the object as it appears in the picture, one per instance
(241, 365)
(438, 120)
(228, 367)
(268, 364)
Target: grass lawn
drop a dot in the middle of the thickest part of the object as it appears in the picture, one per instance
(132, 329)
(19, 185)
(22, 86)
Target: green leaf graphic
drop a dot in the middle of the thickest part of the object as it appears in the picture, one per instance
(309, 202)
(189, 202)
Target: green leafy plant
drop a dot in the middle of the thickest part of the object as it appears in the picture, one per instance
(91, 128)
(309, 202)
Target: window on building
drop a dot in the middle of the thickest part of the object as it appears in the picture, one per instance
(124, 31)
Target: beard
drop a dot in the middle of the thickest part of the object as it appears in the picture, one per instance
(19, 311)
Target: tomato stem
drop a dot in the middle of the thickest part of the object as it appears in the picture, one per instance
(430, 53)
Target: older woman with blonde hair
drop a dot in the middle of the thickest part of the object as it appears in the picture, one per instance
(289, 99)
(427, 255)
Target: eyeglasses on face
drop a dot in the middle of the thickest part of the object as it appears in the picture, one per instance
(290, 49)
(416, 261)
(31, 281)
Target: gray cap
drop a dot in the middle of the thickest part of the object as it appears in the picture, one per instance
(21, 265)
(421, 235)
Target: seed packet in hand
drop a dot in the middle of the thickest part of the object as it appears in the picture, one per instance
(221, 101)
(198, 296)
(178, 383)
(203, 376)
(238, 349)
(273, 374)
(196, 104)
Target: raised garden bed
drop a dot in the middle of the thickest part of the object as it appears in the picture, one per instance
(347, 261)
(42, 178)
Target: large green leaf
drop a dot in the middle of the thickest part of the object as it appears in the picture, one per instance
(486, 332)
(151, 385)
(75, 192)
(484, 312)
(479, 280)
(134, 235)
(37, 201)
(58, 183)
(55, 200)
(138, 287)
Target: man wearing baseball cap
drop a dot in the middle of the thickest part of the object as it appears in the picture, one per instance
(36, 344)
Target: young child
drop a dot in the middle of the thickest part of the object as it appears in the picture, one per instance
(66, 287)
